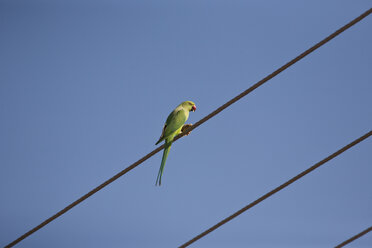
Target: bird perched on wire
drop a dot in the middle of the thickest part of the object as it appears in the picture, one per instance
(172, 127)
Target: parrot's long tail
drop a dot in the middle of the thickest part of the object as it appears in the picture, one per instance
(165, 155)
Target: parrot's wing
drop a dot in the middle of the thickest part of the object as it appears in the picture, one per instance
(175, 121)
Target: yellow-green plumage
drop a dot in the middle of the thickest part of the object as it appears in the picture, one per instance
(172, 127)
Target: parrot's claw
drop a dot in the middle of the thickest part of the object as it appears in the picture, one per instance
(186, 126)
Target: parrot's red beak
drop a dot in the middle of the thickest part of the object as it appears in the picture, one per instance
(193, 108)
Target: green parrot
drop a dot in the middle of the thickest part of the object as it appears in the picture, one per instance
(172, 127)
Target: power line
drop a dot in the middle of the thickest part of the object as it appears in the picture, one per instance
(354, 237)
(215, 112)
(282, 186)
(282, 68)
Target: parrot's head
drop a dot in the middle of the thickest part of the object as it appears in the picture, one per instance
(189, 105)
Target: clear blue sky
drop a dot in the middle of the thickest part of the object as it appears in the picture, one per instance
(85, 87)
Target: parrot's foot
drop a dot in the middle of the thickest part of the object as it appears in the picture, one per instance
(186, 126)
